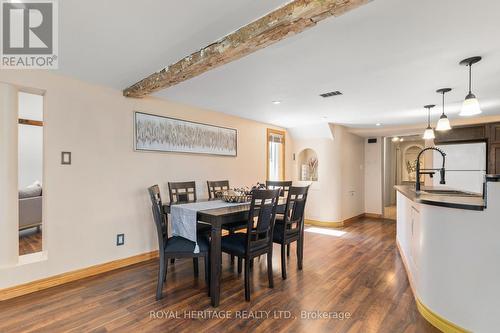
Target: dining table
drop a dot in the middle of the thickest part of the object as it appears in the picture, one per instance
(216, 218)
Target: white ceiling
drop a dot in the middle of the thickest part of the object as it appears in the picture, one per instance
(118, 42)
(387, 57)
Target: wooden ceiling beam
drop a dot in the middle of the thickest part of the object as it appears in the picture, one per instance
(285, 21)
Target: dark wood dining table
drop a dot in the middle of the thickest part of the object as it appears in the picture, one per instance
(217, 217)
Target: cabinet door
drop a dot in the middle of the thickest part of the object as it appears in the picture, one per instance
(415, 236)
(494, 133)
(494, 158)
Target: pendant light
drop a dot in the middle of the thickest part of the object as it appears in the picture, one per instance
(470, 107)
(429, 132)
(443, 123)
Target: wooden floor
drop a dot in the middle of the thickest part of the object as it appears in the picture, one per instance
(359, 271)
(30, 241)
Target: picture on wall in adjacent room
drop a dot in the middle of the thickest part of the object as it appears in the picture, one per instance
(157, 133)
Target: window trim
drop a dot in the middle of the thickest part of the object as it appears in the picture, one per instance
(283, 154)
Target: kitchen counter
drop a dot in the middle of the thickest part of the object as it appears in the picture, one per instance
(470, 202)
(450, 247)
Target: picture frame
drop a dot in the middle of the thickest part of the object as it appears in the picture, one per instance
(155, 133)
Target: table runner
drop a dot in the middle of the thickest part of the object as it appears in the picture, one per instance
(183, 217)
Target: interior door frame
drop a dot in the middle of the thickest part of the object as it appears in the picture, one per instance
(279, 132)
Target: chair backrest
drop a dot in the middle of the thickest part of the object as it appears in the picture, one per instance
(263, 209)
(158, 217)
(283, 185)
(182, 191)
(295, 209)
(216, 186)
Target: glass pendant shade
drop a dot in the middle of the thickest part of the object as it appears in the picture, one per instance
(470, 107)
(443, 124)
(429, 134)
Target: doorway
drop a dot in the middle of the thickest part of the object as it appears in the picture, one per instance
(30, 172)
(400, 155)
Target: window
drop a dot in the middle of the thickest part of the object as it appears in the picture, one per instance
(275, 155)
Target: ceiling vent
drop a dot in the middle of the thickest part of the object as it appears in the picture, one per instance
(330, 94)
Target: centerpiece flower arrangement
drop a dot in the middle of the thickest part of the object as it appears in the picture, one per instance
(240, 194)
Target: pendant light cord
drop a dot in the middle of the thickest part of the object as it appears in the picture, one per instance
(470, 78)
(443, 103)
(428, 117)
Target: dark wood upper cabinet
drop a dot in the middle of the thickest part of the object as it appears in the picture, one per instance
(463, 133)
(494, 159)
(494, 133)
(489, 133)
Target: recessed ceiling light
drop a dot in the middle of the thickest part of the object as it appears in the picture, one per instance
(276, 102)
(378, 124)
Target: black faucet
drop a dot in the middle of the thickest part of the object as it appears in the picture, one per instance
(430, 172)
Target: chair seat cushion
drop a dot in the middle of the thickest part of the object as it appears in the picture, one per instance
(235, 225)
(234, 243)
(278, 236)
(177, 244)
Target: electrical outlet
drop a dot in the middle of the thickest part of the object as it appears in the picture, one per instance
(120, 239)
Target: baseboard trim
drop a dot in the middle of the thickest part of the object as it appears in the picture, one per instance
(374, 216)
(324, 224)
(436, 320)
(340, 224)
(34, 286)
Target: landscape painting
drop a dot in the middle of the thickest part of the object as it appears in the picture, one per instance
(157, 133)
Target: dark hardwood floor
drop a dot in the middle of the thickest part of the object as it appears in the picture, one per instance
(30, 241)
(359, 271)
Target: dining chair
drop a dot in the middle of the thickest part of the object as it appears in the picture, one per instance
(289, 228)
(258, 238)
(176, 246)
(182, 191)
(215, 187)
(284, 186)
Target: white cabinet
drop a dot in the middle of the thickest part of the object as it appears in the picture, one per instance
(408, 230)
(415, 235)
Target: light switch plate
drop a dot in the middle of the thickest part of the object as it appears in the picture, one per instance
(66, 158)
(120, 239)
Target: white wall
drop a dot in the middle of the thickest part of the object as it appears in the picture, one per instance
(339, 192)
(352, 153)
(324, 200)
(104, 191)
(9, 213)
(373, 176)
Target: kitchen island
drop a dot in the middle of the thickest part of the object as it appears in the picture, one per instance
(450, 244)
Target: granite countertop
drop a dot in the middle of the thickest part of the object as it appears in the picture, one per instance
(470, 202)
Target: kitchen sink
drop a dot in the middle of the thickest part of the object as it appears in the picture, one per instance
(451, 193)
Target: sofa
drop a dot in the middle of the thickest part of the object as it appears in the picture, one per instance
(30, 207)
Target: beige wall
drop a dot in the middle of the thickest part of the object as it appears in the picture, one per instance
(373, 176)
(339, 192)
(103, 192)
(352, 174)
